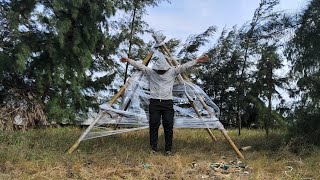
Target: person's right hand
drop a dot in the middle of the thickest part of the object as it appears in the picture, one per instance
(124, 59)
(203, 59)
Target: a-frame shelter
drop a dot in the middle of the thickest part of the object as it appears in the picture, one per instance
(182, 77)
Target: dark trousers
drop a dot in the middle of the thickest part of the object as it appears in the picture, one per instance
(161, 109)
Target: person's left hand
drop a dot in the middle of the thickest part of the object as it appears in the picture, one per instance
(203, 59)
(124, 59)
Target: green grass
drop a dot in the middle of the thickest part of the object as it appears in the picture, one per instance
(41, 154)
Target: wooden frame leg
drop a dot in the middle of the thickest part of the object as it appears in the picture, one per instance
(75, 145)
(234, 147)
(111, 102)
(165, 50)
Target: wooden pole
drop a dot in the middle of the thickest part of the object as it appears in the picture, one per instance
(223, 131)
(234, 147)
(111, 102)
(121, 91)
(145, 62)
(175, 62)
(83, 135)
(180, 79)
(198, 114)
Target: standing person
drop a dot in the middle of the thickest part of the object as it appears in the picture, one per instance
(161, 79)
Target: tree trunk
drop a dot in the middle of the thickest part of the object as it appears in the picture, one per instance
(130, 41)
(269, 119)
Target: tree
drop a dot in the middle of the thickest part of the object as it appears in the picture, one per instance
(267, 80)
(131, 26)
(303, 51)
(54, 49)
(194, 42)
(58, 47)
(219, 76)
(266, 30)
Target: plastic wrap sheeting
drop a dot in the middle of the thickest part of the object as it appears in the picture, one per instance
(136, 99)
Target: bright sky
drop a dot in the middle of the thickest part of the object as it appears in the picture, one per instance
(182, 18)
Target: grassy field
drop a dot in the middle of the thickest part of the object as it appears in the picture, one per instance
(41, 154)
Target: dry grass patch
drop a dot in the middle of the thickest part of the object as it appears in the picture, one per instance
(41, 154)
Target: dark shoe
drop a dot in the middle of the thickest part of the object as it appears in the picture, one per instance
(169, 153)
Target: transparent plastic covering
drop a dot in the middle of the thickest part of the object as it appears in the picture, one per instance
(193, 108)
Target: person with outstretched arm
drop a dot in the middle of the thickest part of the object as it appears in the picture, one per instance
(161, 79)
